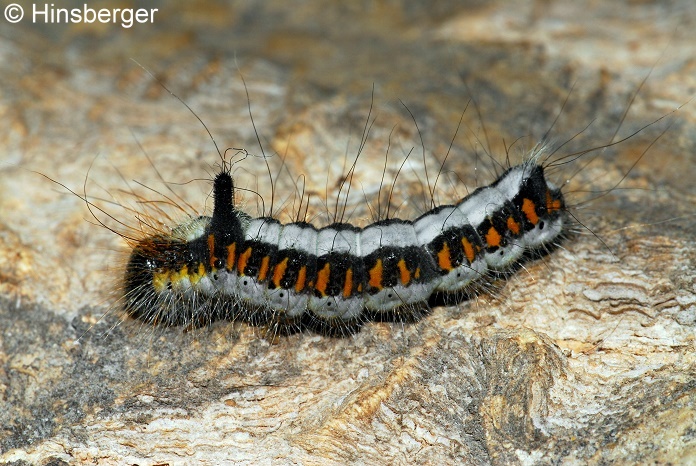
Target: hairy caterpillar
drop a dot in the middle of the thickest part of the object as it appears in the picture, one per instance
(231, 264)
(289, 276)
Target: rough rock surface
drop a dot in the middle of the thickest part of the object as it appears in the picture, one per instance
(586, 356)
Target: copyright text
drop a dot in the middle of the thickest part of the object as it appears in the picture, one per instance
(50, 14)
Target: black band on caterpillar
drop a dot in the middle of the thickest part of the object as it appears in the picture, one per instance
(232, 266)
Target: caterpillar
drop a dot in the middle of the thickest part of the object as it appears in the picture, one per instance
(230, 263)
(289, 276)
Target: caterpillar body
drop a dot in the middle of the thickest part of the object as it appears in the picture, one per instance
(232, 266)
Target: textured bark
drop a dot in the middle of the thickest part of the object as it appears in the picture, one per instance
(584, 356)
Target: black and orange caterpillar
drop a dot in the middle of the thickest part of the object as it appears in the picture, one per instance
(230, 265)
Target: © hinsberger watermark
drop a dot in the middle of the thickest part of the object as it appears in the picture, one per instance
(50, 14)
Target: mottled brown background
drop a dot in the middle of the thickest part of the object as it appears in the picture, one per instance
(584, 357)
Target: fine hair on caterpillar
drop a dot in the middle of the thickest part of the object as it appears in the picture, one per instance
(289, 276)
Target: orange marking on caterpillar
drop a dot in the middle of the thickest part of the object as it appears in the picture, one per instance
(243, 259)
(279, 272)
(443, 258)
(323, 279)
(348, 284)
(468, 250)
(376, 275)
(529, 210)
(404, 272)
(552, 205)
(513, 226)
(263, 271)
(231, 249)
(493, 238)
(211, 250)
(301, 279)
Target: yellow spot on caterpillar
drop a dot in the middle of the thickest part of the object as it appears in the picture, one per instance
(231, 249)
(493, 238)
(404, 272)
(243, 259)
(348, 284)
(301, 279)
(323, 279)
(416, 275)
(529, 210)
(196, 277)
(513, 226)
(176, 277)
(160, 281)
(279, 272)
(211, 250)
(376, 275)
(443, 258)
(264, 268)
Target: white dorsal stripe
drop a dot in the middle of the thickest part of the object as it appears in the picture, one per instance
(265, 230)
(483, 204)
(398, 235)
(429, 226)
(299, 237)
(332, 240)
(473, 209)
(509, 185)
